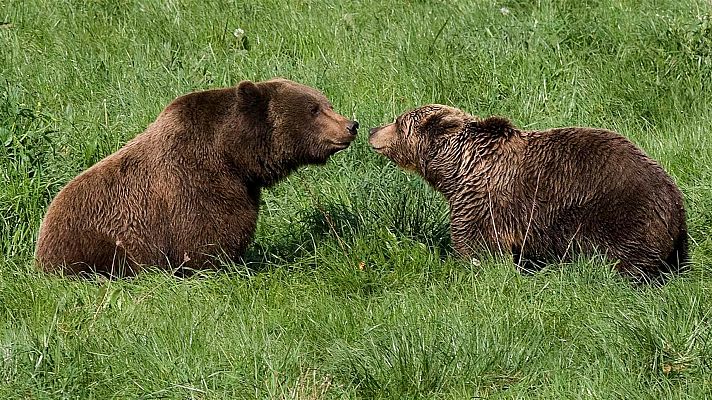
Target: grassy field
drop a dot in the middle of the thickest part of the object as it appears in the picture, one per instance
(351, 289)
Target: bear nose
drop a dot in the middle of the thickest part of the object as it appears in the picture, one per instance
(373, 130)
(352, 126)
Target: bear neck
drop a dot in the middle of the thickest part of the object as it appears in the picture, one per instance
(252, 156)
(473, 162)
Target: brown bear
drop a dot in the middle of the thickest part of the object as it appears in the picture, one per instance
(188, 188)
(543, 195)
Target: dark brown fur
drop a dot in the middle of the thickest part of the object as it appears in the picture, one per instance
(188, 188)
(543, 195)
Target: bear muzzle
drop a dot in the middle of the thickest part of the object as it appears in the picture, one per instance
(381, 137)
(343, 141)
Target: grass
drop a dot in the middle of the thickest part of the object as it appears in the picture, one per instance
(351, 289)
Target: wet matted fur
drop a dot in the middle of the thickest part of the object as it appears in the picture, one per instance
(543, 195)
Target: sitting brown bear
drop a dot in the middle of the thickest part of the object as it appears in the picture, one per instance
(188, 188)
(543, 195)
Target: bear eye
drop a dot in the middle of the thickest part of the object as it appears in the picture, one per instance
(315, 109)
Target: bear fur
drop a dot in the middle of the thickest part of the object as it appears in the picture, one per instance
(543, 195)
(188, 188)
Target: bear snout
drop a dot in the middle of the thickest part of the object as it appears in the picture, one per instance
(382, 137)
(352, 127)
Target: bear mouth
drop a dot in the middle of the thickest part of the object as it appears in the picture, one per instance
(340, 145)
(379, 150)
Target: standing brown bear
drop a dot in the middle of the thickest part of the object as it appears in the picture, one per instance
(543, 195)
(188, 188)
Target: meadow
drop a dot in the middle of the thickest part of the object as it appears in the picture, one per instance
(351, 288)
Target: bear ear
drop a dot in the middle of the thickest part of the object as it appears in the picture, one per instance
(440, 124)
(450, 121)
(495, 126)
(249, 94)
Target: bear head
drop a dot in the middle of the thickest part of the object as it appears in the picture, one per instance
(416, 137)
(297, 123)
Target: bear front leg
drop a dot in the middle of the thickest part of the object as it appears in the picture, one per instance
(467, 240)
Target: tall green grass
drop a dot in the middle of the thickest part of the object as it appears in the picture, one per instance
(351, 288)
